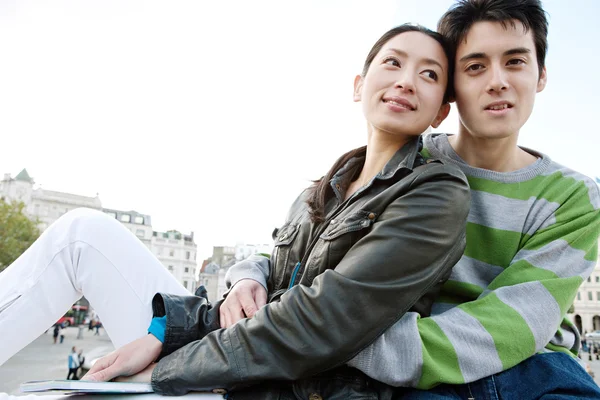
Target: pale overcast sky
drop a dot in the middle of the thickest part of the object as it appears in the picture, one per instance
(212, 116)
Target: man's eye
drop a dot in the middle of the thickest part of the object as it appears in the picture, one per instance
(431, 74)
(392, 61)
(474, 67)
(516, 61)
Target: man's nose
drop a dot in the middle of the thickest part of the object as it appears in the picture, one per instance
(498, 80)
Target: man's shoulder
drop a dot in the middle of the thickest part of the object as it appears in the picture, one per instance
(562, 179)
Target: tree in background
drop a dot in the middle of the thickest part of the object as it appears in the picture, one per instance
(17, 232)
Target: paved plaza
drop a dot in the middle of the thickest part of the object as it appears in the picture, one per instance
(44, 360)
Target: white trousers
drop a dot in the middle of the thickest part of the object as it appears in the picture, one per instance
(85, 252)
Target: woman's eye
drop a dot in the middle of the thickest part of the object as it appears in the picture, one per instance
(391, 61)
(431, 74)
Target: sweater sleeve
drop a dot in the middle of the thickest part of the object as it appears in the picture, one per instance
(256, 267)
(519, 314)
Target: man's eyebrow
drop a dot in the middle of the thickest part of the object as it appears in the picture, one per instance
(518, 50)
(429, 61)
(477, 55)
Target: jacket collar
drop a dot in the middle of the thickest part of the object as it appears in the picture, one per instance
(404, 158)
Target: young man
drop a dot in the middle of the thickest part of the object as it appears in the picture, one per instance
(498, 329)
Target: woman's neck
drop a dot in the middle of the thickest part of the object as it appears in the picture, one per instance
(500, 155)
(381, 147)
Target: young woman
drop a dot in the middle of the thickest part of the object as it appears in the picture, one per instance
(372, 239)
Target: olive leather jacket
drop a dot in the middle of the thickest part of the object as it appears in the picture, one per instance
(334, 287)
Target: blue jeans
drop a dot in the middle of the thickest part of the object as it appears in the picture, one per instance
(550, 376)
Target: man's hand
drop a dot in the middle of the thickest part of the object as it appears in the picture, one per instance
(244, 300)
(126, 361)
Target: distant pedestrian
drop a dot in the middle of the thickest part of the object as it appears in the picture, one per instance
(73, 364)
(61, 332)
(91, 325)
(81, 359)
(55, 332)
(98, 326)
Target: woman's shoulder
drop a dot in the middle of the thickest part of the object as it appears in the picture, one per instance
(437, 168)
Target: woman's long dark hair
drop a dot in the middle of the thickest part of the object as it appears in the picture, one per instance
(319, 190)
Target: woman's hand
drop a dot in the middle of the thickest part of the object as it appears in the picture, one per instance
(145, 376)
(244, 300)
(127, 360)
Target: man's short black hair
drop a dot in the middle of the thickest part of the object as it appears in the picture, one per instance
(456, 22)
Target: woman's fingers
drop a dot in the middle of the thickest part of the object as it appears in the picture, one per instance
(101, 364)
(107, 374)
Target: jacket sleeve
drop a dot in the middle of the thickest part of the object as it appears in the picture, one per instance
(193, 317)
(521, 312)
(316, 328)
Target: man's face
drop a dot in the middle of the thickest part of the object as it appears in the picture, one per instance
(496, 79)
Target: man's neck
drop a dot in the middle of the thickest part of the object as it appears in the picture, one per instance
(500, 155)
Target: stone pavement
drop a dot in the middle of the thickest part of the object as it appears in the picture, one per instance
(44, 360)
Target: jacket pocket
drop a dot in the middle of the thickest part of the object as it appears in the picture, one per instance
(339, 237)
(352, 223)
(281, 253)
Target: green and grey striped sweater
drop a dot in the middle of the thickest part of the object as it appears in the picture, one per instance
(532, 239)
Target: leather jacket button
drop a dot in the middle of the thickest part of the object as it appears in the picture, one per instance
(219, 391)
(371, 215)
(314, 396)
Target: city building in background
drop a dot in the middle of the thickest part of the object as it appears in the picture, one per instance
(139, 224)
(586, 306)
(176, 251)
(45, 205)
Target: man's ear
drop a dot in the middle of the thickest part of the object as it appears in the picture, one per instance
(542, 81)
(441, 115)
(358, 84)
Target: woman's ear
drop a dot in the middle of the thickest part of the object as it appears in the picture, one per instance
(441, 115)
(358, 83)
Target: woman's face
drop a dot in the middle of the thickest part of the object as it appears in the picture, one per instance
(403, 89)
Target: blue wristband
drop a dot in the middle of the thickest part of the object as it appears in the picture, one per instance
(158, 327)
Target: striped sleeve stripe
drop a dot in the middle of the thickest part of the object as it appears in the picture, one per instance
(471, 342)
(558, 256)
(403, 337)
(594, 198)
(442, 364)
(565, 338)
(536, 306)
(505, 325)
(467, 290)
(438, 308)
(475, 272)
